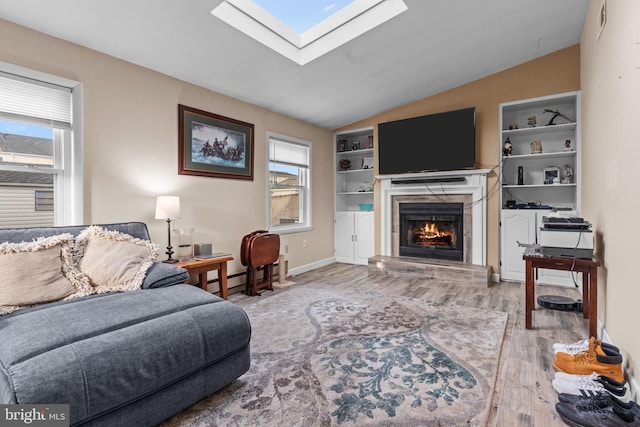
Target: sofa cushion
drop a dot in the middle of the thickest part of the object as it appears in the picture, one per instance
(38, 272)
(113, 261)
(160, 275)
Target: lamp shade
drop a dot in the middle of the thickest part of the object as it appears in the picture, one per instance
(168, 207)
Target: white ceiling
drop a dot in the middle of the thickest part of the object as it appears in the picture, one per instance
(433, 46)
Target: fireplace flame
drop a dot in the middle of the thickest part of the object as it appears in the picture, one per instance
(430, 235)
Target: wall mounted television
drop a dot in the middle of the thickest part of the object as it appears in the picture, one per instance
(435, 142)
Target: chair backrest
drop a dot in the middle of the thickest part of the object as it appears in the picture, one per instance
(263, 249)
(244, 245)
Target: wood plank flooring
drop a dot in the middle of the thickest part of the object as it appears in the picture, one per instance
(523, 394)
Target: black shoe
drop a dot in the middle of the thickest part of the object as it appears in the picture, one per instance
(603, 410)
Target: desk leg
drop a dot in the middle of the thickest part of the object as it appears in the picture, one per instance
(529, 293)
(593, 302)
(585, 294)
(202, 280)
(222, 280)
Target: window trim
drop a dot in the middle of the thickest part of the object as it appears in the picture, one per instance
(69, 206)
(307, 224)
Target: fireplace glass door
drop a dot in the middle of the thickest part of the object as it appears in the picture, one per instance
(432, 230)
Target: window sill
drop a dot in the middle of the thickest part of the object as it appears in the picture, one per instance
(290, 229)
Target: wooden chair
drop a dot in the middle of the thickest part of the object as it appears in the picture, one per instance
(259, 249)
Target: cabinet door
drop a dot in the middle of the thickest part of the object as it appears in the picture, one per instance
(556, 277)
(363, 237)
(517, 226)
(344, 237)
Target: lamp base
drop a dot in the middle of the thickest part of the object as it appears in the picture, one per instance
(170, 261)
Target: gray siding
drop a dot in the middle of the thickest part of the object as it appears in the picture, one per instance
(17, 209)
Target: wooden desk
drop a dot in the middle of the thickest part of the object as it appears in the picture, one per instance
(202, 266)
(589, 270)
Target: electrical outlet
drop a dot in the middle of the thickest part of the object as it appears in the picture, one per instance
(304, 243)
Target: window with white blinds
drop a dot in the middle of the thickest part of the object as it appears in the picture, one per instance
(39, 149)
(289, 184)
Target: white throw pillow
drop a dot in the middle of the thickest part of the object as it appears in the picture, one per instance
(113, 261)
(38, 272)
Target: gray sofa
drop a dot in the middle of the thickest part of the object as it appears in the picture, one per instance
(122, 358)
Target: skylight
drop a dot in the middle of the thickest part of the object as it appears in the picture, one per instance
(350, 21)
(299, 15)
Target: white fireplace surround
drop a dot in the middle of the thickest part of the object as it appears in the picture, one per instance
(471, 182)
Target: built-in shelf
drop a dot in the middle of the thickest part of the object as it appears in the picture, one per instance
(553, 155)
(540, 130)
(546, 186)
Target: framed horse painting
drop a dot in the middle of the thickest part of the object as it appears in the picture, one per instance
(214, 146)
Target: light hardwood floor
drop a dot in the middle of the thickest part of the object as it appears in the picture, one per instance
(523, 394)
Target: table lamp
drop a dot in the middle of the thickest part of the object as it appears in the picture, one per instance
(168, 207)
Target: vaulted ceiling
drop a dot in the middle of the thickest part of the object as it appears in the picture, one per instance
(434, 46)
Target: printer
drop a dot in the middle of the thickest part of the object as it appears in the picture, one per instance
(566, 237)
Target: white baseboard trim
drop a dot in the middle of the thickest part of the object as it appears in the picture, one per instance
(634, 386)
(495, 277)
(312, 266)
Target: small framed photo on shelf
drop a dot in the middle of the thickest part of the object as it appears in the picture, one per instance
(367, 163)
(551, 175)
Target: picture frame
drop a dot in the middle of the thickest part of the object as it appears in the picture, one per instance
(551, 175)
(214, 146)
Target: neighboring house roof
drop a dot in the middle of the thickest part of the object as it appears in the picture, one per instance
(10, 143)
(19, 144)
(25, 178)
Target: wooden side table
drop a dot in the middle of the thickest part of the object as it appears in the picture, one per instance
(202, 266)
(589, 270)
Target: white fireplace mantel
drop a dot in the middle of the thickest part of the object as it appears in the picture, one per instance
(472, 182)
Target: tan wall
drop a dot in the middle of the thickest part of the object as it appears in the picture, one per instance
(131, 154)
(554, 73)
(611, 196)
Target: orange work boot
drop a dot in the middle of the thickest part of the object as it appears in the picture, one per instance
(602, 360)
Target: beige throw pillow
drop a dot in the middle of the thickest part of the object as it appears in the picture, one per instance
(39, 272)
(113, 261)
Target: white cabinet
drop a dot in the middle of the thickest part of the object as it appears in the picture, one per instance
(353, 237)
(520, 225)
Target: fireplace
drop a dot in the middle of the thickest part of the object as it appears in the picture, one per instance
(435, 187)
(432, 230)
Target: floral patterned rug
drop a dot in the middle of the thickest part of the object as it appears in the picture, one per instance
(326, 356)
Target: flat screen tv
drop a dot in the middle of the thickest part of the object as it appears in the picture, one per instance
(436, 142)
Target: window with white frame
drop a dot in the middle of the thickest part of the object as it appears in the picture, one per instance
(289, 184)
(40, 156)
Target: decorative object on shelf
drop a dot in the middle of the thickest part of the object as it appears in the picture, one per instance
(342, 145)
(365, 206)
(567, 145)
(520, 175)
(168, 207)
(532, 121)
(551, 175)
(568, 175)
(370, 141)
(513, 126)
(355, 145)
(556, 114)
(367, 162)
(365, 187)
(214, 146)
(507, 148)
(345, 164)
(536, 147)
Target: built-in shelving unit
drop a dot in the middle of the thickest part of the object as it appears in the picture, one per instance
(354, 181)
(540, 149)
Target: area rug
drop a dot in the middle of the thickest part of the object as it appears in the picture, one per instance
(327, 356)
